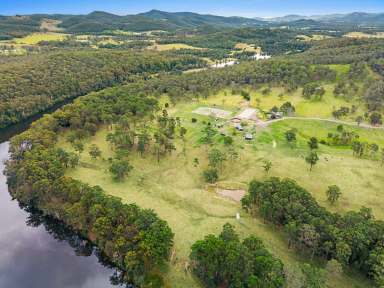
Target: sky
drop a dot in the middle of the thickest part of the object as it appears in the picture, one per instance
(247, 8)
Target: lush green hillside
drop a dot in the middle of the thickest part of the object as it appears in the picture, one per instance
(31, 84)
(191, 20)
(98, 21)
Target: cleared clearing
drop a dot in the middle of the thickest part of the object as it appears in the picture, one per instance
(314, 37)
(248, 48)
(175, 46)
(214, 112)
(364, 35)
(35, 38)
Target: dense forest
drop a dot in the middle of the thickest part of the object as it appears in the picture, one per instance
(221, 260)
(344, 51)
(272, 41)
(34, 83)
(353, 239)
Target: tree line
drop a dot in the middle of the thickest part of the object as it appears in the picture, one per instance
(354, 239)
(133, 239)
(225, 261)
(32, 84)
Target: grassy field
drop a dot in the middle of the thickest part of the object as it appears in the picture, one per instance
(175, 189)
(38, 37)
(176, 46)
(248, 48)
(314, 37)
(278, 96)
(364, 35)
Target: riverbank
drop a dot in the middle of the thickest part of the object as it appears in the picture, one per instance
(27, 236)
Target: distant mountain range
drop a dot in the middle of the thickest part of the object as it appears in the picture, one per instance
(356, 18)
(152, 20)
(98, 21)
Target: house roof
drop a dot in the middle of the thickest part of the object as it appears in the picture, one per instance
(248, 136)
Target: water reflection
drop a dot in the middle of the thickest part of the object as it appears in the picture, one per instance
(39, 252)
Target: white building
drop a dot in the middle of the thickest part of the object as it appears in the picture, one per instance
(260, 56)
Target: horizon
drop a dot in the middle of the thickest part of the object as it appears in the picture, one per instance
(201, 13)
(242, 8)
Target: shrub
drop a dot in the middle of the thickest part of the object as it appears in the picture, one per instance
(211, 175)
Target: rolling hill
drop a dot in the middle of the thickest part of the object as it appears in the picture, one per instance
(99, 21)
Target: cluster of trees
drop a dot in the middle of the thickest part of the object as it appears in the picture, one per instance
(341, 137)
(289, 74)
(287, 108)
(378, 66)
(133, 239)
(217, 157)
(346, 89)
(143, 134)
(312, 158)
(369, 150)
(341, 112)
(374, 96)
(354, 239)
(313, 90)
(34, 83)
(225, 261)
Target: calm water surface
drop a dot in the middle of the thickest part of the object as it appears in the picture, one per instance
(36, 253)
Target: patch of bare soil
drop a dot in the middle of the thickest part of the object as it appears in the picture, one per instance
(235, 195)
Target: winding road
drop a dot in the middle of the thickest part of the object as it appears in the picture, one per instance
(362, 125)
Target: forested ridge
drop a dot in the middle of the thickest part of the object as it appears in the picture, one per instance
(343, 51)
(32, 84)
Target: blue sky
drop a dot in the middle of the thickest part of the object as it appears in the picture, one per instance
(249, 8)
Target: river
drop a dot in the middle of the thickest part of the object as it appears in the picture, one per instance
(41, 253)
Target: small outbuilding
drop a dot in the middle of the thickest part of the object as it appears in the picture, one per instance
(239, 127)
(248, 137)
(275, 115)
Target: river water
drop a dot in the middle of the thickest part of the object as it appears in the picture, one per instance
(39, 253)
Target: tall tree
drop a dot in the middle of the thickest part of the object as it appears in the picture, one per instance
(333, 193)
(94, 151)
(312, 159)
(313, 143)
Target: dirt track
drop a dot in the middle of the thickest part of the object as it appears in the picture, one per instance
(267, 123)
